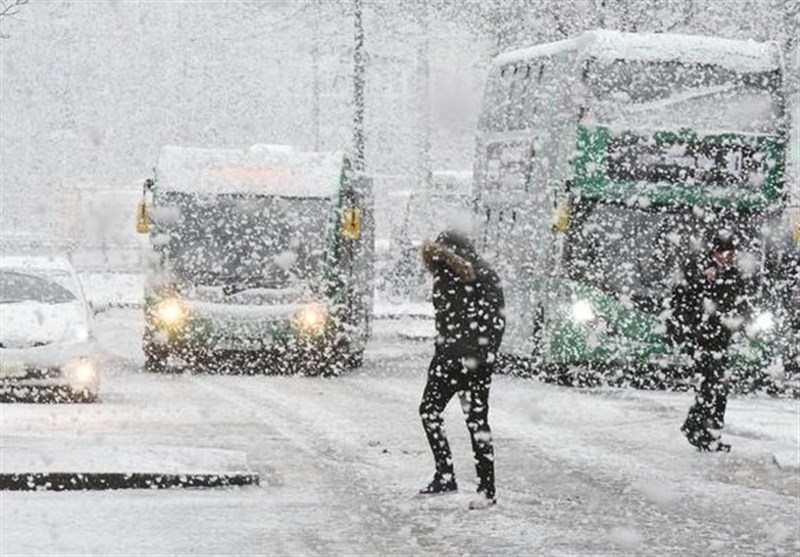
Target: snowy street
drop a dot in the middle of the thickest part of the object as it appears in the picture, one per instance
(254, 256)
(579, 472)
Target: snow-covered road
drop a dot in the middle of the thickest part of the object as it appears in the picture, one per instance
(579, 472)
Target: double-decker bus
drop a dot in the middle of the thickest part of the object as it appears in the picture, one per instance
(602, 161)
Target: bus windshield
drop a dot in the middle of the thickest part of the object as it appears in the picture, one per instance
(269, 241)
(637, 254)
(669, 94)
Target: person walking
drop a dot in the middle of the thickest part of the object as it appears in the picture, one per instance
(706, 309)
(469, 305)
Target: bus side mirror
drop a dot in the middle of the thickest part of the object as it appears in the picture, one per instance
(143, 220)
(143, 225)
(351, 223)
(561, 219)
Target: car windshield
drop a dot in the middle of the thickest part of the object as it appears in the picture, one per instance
(634, 253)
(665, 94)
(263, 241)
(16, 286)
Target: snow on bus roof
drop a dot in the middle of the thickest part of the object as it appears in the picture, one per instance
(260, 169)
(747, 56)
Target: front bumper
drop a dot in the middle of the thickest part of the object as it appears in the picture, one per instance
(248, 339)
(52, 372)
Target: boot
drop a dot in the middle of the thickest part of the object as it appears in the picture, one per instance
(440, 484)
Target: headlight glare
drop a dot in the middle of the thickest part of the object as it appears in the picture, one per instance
(82, 372)
(171, 311)
(762, 322)
(311, 318)
(582, 311)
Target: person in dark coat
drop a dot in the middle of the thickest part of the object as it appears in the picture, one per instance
(707, 308)
(469, 305)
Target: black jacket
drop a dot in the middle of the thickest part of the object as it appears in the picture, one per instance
(706, 312)
(468, 299)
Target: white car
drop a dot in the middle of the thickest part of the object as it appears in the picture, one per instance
(47, 347)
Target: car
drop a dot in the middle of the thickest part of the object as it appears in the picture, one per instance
(47, 347)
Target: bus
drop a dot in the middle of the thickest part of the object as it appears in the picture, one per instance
(261, 260)
(601, 162)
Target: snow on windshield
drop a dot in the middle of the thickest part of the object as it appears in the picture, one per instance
(267, 242)
(669, 95)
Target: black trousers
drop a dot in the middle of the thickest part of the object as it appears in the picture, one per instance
(446, 377)
(703, 425)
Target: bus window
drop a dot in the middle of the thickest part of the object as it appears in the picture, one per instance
(508, 166)
(497, 99)
(537, 90)
(529, 102)
(664, 94)
(517, 117)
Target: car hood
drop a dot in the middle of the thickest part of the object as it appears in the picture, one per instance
(30, 324)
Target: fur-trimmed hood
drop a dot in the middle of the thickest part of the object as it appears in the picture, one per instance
(454, 251)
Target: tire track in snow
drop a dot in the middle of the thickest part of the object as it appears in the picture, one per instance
(329, 466)
(625, 489)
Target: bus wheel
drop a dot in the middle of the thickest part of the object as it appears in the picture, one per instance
(355, 359)
(155, 358)
(155, 364)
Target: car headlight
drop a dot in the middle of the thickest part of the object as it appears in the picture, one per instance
(762, 322)
(171, 312)
(311, 318)
(82, 372)
(582, 311)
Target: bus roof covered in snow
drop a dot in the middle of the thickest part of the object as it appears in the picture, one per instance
(274, 170)
(747, 56)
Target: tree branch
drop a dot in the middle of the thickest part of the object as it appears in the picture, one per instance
(10, 8)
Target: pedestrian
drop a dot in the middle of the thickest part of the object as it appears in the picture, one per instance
(469, 305)
(706, 310)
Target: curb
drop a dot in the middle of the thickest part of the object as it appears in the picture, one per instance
(94, 481)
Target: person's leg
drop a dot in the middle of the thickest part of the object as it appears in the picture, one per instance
(475, 404)
(706, 417)
(717, 397)
(439, 389)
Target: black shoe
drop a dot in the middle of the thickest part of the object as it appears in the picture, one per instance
(440, 484)
(712, 446)
(485, 491)
(698, 438)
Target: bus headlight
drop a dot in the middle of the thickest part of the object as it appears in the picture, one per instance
(582, 311)
(171, 312)
(762, 322)
(310, 319)
(82, 373)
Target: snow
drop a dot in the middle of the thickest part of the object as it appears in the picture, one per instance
(104, 289)
(48, 455)
(744, 56)
(92, 91)
(261, 169)
(35, 264)
(579, 471)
